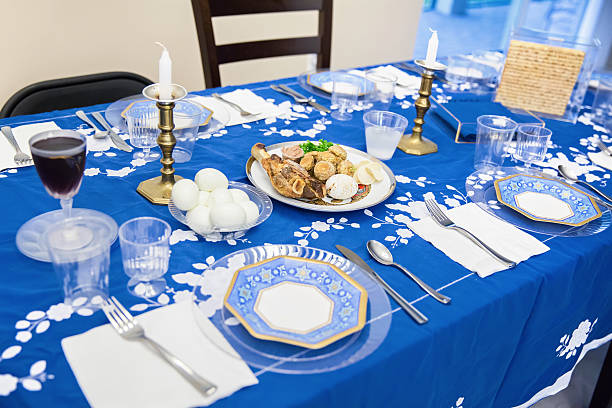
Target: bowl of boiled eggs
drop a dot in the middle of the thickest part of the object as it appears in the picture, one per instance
(216, 208)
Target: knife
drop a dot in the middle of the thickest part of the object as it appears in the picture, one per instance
(411, 310)
(311, 102)
(117, 140)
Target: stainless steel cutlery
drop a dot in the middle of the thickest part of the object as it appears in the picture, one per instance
(382, 255)
(117, 140)
(411, 310)
(441, 219)
(128, 327)
(567, 174)
(604, 148)
(98, 134)
(299, 98)
(242, 111)
(20, 158)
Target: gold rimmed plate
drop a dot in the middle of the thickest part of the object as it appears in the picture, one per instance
(298, 301)
(546, 199)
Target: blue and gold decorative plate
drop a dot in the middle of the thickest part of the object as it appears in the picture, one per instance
(324, 80)
(548, 200)
(298, 301)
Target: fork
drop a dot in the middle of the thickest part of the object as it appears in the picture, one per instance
(441, 219)
(298, 99)
(233, 105)
(129, 328)
(98, 134)
(604, 148)
(20, 158)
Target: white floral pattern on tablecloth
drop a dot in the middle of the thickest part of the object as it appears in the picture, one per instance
(571, 343)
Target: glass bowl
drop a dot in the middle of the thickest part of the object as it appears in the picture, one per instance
(263, 202)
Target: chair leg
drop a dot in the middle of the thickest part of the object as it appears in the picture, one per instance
(602, 395)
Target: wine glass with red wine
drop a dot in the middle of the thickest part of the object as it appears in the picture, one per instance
(59, 157)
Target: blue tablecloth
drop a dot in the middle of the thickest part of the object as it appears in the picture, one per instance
(501, 342)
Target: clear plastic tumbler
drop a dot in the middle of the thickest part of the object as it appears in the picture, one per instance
(82, 270)
(383, 131)
(492, 137)
(145, 252)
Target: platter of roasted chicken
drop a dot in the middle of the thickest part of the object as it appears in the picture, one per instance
(320, 176)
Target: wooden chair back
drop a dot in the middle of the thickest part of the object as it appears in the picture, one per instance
(213, 55)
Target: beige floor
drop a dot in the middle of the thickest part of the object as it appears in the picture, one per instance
(578, 393)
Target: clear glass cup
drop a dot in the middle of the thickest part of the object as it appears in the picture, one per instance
(493, 134)
(531, 143)
(381, 89)
(142, 120)
(82, 271)
(602, 103)
(383, 131)
(59, 158)
(187, 120)
(145, 252)
(345, 91)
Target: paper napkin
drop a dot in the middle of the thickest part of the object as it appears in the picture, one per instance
(247, 100)
(601, 159)
(113, 372)
(22, 135)
(506, 239)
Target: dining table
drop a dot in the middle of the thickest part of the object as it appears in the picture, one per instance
(507, 340)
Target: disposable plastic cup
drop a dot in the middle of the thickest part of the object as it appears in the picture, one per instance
(81, 269)
(493, 134)
(145, 252)
(383, 131)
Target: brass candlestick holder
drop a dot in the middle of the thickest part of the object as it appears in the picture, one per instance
(158, 189)
(415, 143)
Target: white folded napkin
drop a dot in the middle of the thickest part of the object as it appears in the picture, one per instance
(22, 135)
(114, 372)
(248, 101)
(601, 159)
(506, 239)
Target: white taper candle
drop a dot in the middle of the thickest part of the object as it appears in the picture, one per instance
(165, 74)
(432, 48)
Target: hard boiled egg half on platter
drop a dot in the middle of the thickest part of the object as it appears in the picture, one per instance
(216, 208)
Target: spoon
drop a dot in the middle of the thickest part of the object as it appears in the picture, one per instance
(569, 175)
(382, 255)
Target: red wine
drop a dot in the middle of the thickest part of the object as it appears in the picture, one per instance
(60, 162)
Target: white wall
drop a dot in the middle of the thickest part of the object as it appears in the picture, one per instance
(47, 39)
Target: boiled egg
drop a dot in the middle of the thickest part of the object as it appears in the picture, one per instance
(198, 219)
(210, 179)
(185, 194)
(227, 215)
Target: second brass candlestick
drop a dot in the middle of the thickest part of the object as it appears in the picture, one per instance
(415, 143)
(159, 189)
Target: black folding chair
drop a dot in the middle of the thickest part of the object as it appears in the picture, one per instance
(73, 92)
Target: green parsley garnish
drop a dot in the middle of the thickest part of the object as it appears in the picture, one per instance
(312, 147)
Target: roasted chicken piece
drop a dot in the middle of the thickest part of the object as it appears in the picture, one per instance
(287, 177)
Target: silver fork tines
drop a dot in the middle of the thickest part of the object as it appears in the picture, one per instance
(20, 158)
(604, 148)
(129, 328)
(441, 219)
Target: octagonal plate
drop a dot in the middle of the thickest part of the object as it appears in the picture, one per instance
(298, 301)
(548, 200)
